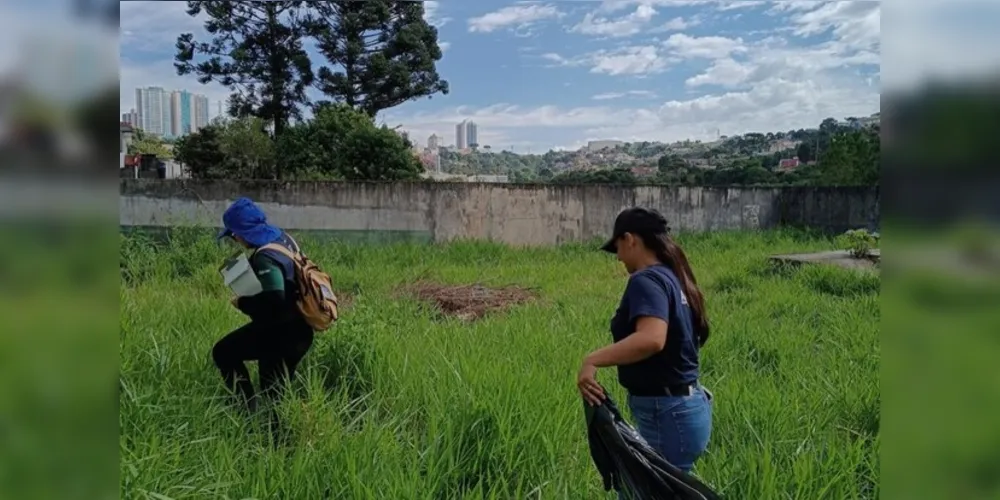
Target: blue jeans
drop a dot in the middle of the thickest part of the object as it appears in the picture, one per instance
(678, 427)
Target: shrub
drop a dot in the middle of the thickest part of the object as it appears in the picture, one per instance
(859, 242)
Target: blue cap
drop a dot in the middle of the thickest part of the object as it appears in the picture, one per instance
(245, 219)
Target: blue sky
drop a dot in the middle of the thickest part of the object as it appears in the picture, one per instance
(541, 75)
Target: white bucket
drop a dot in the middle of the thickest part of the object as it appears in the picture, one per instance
(239, 276)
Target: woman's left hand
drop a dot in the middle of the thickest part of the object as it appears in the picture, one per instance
(587, 383)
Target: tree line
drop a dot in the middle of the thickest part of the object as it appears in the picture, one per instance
(375, 55)
(833, 153)
(851, 158)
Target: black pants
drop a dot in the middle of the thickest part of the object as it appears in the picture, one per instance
(278, 347)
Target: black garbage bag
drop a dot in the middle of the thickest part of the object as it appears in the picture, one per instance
(629, 465)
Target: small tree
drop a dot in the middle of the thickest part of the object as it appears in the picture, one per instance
(148, 144)
(201, 154)
(248, 147)
(341, 142)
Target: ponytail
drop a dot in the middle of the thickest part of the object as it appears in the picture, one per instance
(671, 255)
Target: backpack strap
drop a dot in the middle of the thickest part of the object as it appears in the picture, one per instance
(280, 249)
(298, 249)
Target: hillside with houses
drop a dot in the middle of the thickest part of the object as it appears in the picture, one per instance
(777, 153)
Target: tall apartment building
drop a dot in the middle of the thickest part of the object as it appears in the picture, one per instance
(433, 142)
(472, 134)
(153, 105)
(180, 113)
(460, 141)
(466, 135)
(199, 115)
(170, 114)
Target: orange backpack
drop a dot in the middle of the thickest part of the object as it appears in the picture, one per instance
(316, 301)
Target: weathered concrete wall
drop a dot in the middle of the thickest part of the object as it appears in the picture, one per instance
(515, 214)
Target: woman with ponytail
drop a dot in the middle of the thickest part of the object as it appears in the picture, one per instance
(658, 329)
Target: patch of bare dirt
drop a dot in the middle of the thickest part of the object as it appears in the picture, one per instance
(469, 302)
(344, 300)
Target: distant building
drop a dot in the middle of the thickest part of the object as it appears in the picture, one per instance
(153, 105)
(169, 114)
(789, 164)
(472, 135)
(466, 135)
(433, 142)
(460, 142)
(643, 171)
(125, 132)
(781, 145)
(199, 112)
(181, 110)
(131, 118)
(599, 145)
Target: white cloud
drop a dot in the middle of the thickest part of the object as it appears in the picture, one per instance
(617, 5)
(677, 24)
(625, 26)
(556, 58)
(432, 14)
(628, 61)
(740, 4)
(794, 5)
(515, 16)
(725, 72)
(856, 24)
(155, 26)
(708, 47)
(631, 60)
(618, 95)
(444, 46)
(774, 58)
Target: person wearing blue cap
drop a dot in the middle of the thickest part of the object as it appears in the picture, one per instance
(277, 336)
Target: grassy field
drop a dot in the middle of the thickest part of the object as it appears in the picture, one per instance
(397, 402)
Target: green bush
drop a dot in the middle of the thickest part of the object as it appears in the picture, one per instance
(859, 242)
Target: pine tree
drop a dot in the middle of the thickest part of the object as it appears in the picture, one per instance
(381, 53)
(256, 51)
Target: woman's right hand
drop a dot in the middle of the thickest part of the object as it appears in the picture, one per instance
(586, 381)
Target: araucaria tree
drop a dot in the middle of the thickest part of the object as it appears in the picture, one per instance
(381, 53)
(255, 50)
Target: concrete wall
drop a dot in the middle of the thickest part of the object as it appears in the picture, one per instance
(515, 214)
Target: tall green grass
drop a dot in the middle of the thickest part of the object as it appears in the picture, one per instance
(395, 402)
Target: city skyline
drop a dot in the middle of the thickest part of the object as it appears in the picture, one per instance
(168, 113)
(466, 136)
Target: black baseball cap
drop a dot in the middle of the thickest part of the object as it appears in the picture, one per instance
(635, 220)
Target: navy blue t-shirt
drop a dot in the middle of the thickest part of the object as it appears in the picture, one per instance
(656, 291)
